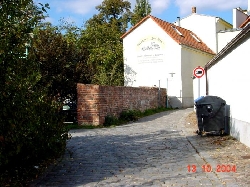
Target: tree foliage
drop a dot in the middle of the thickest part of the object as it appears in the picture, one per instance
(102, 37)
(141, 10)
(61, 59)
(30, 125)
(117, 11)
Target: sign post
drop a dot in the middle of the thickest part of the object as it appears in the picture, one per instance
(198, 72)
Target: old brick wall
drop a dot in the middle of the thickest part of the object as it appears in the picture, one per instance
(94, 102)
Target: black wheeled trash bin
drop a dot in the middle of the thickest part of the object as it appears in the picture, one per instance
(210, 112)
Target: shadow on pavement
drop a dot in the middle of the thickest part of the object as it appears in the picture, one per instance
(95, 158)
(114, 155)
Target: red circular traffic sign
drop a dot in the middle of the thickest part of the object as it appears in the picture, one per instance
(198, 72)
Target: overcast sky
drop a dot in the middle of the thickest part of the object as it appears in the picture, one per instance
(78, 11)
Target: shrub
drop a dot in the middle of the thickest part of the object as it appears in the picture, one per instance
(130, 115)
(31, 129)
(30, 132)
(110, 120)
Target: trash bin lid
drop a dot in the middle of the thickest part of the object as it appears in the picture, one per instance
(208, 100)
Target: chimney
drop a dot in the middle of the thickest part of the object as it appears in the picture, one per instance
(193, 9)
(178, 21)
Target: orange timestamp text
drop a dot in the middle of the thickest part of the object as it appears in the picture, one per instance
(208, 168)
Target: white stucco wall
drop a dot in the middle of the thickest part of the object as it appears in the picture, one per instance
(150, 55)
(229, 79)
(248, 7)
(205, 27)
(191, 59)
(238, 17)
(225, 37)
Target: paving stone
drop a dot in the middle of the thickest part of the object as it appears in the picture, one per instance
(154, 151)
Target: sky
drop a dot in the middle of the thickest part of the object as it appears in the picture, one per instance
(79, 11)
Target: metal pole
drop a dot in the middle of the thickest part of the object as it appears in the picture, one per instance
(198, 87)
(167, 94)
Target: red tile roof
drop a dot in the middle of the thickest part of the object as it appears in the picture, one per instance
(185, 39)
(245, 22)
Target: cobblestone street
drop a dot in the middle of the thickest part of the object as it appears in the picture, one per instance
(158, 150)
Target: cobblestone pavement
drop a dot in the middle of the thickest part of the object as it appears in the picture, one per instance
(159, 150)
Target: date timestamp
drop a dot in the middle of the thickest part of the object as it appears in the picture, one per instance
(208, 168)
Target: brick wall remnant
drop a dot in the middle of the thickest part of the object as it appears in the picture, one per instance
(95, 102)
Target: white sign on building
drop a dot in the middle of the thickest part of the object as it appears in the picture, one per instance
(150, 50)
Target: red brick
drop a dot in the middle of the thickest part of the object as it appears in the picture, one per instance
(95, 101)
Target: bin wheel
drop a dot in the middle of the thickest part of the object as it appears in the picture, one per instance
(199, 132)
(222, 132)
(203, 133)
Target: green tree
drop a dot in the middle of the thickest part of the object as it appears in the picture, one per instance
(61, 59)
(141, 10)
(72, 35)
(102, 37)
(30, 127)
(117, 11)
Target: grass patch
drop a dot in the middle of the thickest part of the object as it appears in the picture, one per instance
(149, 112)
(131, 115)
(76, 126)
(124, 117)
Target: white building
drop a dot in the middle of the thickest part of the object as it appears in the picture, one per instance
(228, 77)
(158, 53)
(240, 19)
(206, 27)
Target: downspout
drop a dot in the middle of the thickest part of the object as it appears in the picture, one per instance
(167, 94)
(216, 37)
(207, 91)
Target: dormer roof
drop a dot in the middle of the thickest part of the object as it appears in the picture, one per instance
(245, 22)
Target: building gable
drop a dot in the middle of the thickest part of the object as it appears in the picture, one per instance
(178, 34)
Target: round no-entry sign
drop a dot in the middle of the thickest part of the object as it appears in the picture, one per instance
(198, 72)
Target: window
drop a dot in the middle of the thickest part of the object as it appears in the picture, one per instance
(195, 38)
(176, 30)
